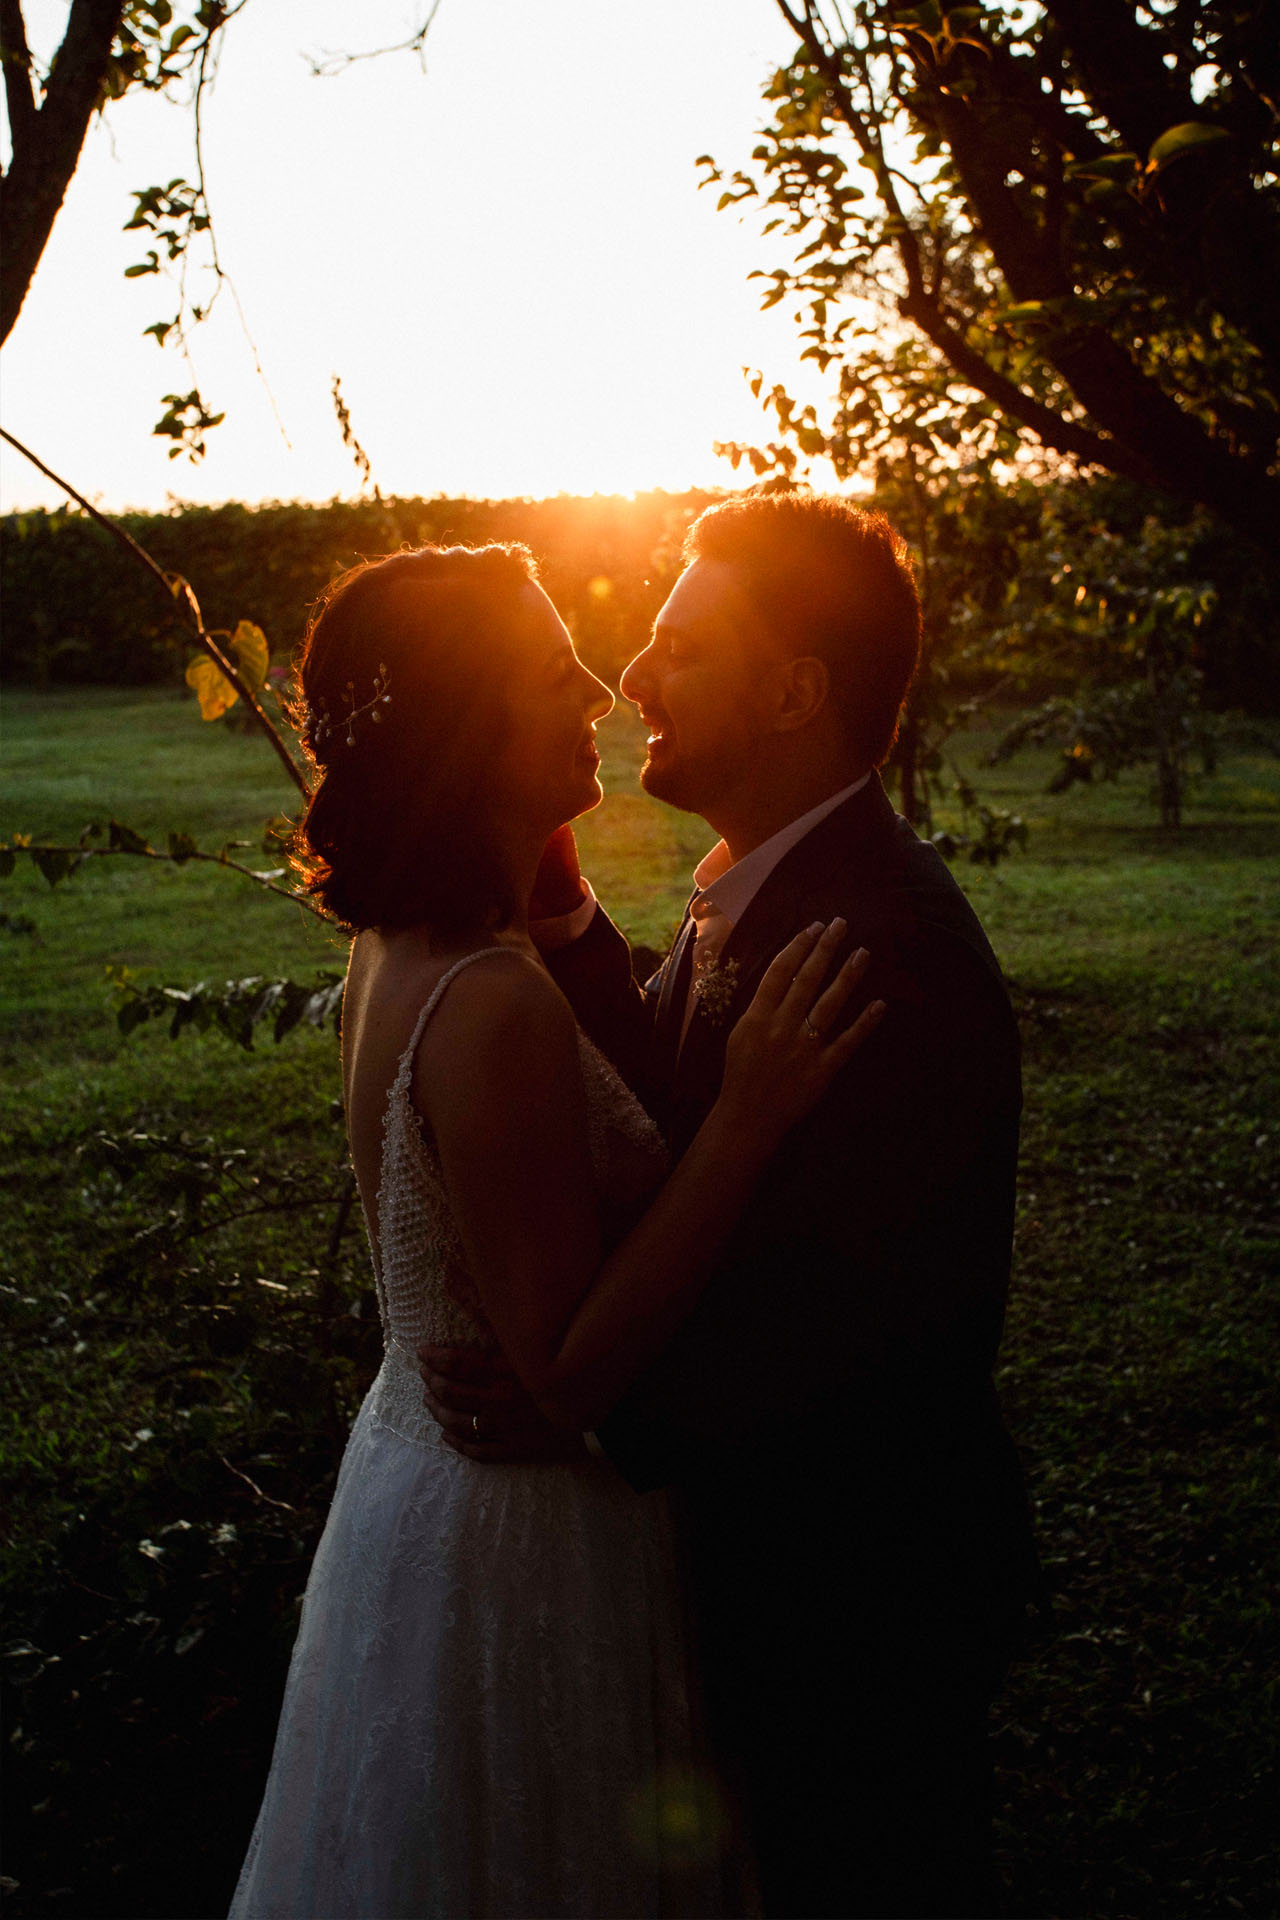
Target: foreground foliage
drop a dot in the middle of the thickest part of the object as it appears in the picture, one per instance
(189, 1309)
(1054, 222)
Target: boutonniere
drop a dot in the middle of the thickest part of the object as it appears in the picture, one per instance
(714, 987)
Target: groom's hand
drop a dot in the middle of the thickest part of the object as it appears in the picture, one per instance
(485, 1413)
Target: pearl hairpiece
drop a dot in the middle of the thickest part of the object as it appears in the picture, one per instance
(323, 725)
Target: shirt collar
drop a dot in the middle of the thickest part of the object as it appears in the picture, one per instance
(730, 887)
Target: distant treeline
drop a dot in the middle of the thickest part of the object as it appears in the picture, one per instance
(79, 610)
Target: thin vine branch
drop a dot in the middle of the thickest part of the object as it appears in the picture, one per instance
(204, 78)
(177, 860)
(255, 1488)
(177, 588)
(330, 64)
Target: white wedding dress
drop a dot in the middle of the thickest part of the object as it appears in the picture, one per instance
(490, 1677)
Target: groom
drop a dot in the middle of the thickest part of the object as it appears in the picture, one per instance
(857, 1529)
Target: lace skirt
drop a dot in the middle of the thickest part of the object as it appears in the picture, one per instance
(487, 1711)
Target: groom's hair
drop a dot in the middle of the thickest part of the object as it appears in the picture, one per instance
(832, 579)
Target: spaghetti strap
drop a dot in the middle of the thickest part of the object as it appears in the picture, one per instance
(405, 1070)
(402, 1133)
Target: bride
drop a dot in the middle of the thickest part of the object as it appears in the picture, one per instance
(490, 1683)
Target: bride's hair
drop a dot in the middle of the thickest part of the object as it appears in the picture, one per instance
(401, 704)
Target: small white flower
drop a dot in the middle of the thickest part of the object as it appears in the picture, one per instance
(714, 987)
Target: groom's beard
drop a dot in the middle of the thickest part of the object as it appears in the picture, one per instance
(694, 783)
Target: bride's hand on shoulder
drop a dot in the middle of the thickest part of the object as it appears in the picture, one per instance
(794, 1038)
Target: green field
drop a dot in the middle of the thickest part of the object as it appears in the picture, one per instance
(190, 1329)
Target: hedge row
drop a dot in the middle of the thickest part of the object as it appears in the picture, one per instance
(78, 610)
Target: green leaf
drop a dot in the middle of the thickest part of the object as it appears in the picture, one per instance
(236, 1019)
(1190, 136)
(211, 687)
(292, 1002)
(1024, 310)
(325, 1005)
(1104, 166)
(55, 863)
(252, 654)
(135, 1012)
(189, 1009)
(123, 839)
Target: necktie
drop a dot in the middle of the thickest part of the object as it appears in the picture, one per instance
(711, 929)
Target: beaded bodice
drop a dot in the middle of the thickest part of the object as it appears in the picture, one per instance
(425, 1292)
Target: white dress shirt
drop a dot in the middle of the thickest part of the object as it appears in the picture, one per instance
(726, 886)
(730, 886)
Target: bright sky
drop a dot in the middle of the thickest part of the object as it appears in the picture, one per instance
(506, 259)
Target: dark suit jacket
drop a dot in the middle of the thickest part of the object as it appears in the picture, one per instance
(828, 1406)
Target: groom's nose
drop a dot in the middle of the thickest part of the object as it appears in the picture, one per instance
(636, 677)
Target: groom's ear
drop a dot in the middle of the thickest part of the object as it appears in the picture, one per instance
(803, 687)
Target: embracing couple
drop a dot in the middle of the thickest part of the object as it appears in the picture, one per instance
(685, 1582)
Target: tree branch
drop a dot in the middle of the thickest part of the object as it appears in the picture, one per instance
(1049, 426)
(177, 588)
(1132, 408)
(19, 94)
(177, 860)
(330, 63)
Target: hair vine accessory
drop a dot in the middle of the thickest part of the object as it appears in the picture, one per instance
(323, 725)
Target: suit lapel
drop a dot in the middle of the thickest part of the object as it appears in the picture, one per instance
(858, 836)
(672, 994)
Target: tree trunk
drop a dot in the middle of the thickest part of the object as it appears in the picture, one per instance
(47, 143)
(1170, 776)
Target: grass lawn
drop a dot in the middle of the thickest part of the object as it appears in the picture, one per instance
(191, 1340)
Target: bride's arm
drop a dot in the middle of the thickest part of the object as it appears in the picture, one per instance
(499, 1082)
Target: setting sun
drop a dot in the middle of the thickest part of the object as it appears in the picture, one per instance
(505, 258)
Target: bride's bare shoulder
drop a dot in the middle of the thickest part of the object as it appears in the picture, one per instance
(491, 1000)
(389, 981)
